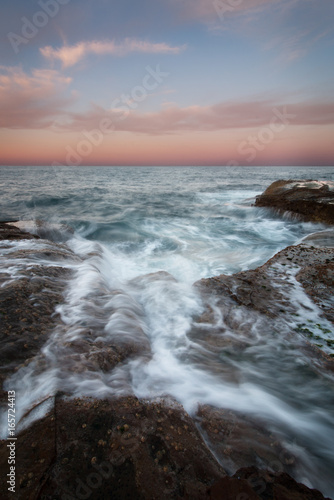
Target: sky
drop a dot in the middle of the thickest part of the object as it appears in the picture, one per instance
(167, 82)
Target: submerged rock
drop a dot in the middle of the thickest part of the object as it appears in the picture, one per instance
(313, 200)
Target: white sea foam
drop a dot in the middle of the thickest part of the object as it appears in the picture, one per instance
(108, 297)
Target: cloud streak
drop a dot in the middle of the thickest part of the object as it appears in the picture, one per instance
(31, 101)
(69, 55)
(220, 116)
(38, 100)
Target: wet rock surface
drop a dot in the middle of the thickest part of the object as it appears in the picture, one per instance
(10, 232)
(133, 449)
(34, 281)
(317, 281)
(54, 232)
(238, 440)
(123, 448)
(29, 294)
(270, 486)
(320, 239)
(272, 290)
(281, 296)
(312, 200)
(27, 308)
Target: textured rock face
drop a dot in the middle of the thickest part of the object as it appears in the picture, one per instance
(114, 449)
(11, 232)
(31, 286)
(268, 293)
(266, 287)
(131, 449)
(239, 440)
(313, 200)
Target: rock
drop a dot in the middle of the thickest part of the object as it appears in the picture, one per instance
(232, 488)
(10, 232)
(276, 486)
(126, 448)
(320, 239)
(238, 440)
(28, 298)
(265, 288)
(33, 283)
(120, 448)
(318, 283)
(313, 200)
(51, 231)
(269, 290)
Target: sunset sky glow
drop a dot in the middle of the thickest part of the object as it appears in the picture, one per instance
(167, 82)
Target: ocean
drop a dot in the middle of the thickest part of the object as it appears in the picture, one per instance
(185, 223)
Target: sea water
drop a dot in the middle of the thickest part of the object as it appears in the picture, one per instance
(144, 236)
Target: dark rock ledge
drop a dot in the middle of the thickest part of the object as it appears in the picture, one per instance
(128, 448)
(10, 232)
(312, 200)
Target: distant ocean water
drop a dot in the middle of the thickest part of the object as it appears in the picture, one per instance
(193, 223)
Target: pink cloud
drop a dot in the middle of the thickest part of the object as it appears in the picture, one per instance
(70, 55)
(37, 100)
(221, 116)
(31, 101)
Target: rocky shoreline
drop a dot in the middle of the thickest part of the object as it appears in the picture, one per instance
(139, 449)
